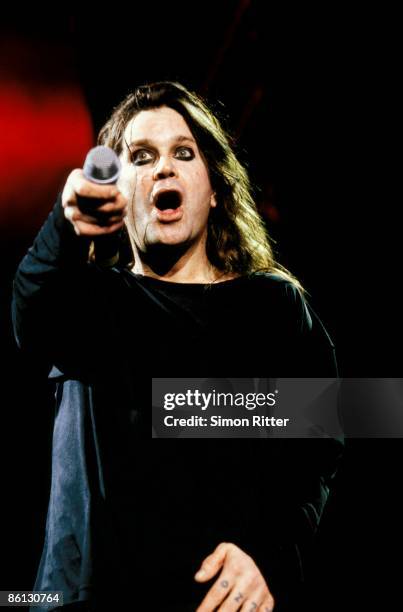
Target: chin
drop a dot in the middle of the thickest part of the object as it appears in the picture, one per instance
(171, 237)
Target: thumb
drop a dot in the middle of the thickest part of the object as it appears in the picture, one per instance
(212, 563)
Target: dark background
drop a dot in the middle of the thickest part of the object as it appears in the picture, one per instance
(311, 101)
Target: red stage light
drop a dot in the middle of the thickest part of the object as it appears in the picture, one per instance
(46, 131)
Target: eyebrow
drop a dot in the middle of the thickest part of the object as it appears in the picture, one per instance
(147, 142)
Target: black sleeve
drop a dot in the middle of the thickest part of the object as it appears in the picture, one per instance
(294, 478)
(293, 490)
(314, 352)
(52, 295)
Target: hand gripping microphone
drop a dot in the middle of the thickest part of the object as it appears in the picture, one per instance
(102, 166)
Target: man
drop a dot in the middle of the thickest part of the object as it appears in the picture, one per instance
(199, 295)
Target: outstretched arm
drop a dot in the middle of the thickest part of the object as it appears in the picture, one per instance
(50, 283)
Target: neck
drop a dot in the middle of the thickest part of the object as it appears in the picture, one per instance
(180, 264)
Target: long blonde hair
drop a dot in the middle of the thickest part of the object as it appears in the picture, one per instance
(237, 239)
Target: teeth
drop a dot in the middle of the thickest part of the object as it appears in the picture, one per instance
(168, 199)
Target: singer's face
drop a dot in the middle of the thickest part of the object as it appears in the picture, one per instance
(166, 181)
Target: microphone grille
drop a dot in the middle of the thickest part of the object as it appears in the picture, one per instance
(102, 165)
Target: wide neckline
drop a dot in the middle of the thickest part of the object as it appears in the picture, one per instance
(164, 283)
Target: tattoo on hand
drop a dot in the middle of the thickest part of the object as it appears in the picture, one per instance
(224, 584)
(254, 606)
(238, 597)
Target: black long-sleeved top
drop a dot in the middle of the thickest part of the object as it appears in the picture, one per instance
(115, 503)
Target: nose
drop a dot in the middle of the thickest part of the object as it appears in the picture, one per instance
(165, 168)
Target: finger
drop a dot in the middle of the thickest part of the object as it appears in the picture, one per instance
(87, 189)
(91, 230)
(101, 219)
(256, 601)
(235, 600)
(119, 203)
(268, 604)
(251, 605)
(216, 595)
(213, 563)
(246, 594)
(74, 214)
(68, 195)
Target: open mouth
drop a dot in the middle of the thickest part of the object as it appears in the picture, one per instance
(168, 200)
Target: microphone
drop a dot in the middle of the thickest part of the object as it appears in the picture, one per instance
(102, 166)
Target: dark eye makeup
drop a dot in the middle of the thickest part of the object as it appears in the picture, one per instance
(143, 156)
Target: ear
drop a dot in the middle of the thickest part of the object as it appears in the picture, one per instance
(213, 200)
